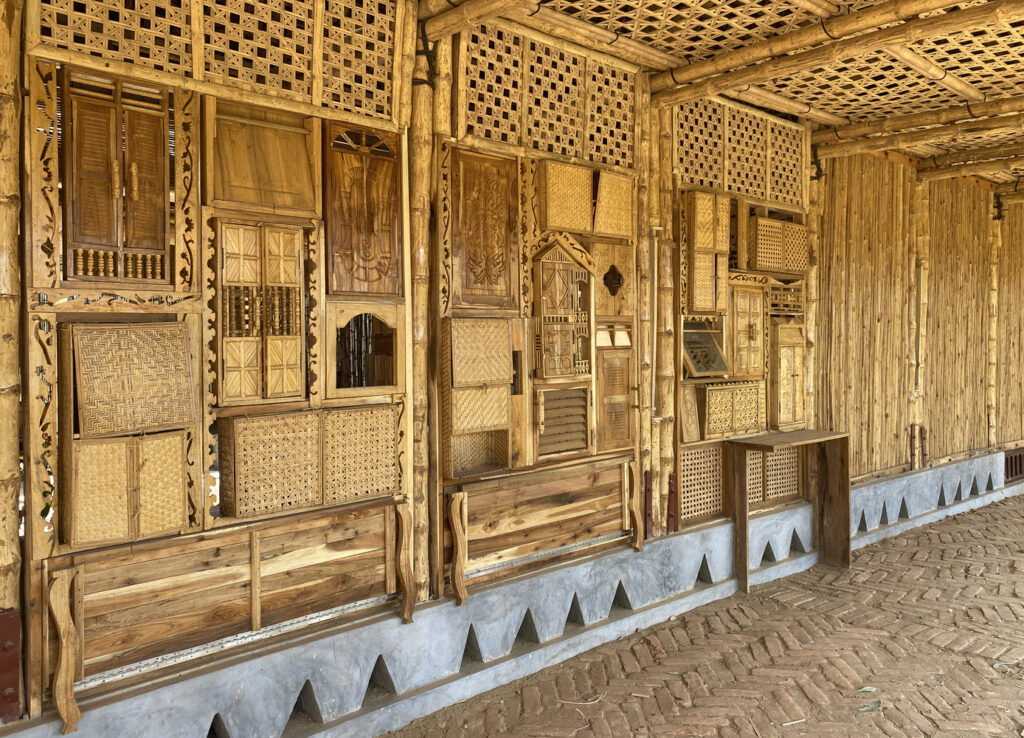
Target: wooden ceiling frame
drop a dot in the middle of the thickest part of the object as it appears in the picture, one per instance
(471, 14)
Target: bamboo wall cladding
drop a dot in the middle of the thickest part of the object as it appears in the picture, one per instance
(363, 220)
(360, 453)
(151, 33)
(260, 45)
(700, 486)
(255, 482)
(554, 101)
(484, 242)
(786, 383)
(958, 299)
(117, 191)
(616, 274)
(726, 146)
(863, 382)
(133, 378)
(614, 214)
(1010, 340)
(567, 197)
(359, 56)
(778, 246)
(493, 78)
(610, 115)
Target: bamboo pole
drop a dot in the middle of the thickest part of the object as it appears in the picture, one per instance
(763, 98)
(909, 139)
(10, 298)
(934, 72)
(954, 114)
(995, 237)
(643, 263)
(471, 14)
(666, 378)
(972, 169)
(839, 27)
(969, 156)
(995, 13)
(420, 158)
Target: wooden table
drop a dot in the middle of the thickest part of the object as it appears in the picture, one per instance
(825, 481)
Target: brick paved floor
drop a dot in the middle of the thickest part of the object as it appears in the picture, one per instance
(933, 620)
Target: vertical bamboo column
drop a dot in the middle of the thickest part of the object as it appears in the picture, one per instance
(10, 298)
(811, 288)
(995, 237)
(420, 158)
(643, 262)
(666, 380)
(920, 207)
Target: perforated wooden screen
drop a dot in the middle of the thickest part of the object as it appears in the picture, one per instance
(700, 485)
(726, 146)
(548, 97)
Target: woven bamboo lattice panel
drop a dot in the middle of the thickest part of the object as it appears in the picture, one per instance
(96, 507)
(269, 463)
(785, 167)
(493, 78)
(567, 197)
(778, 246)
(162, 492)
(965, 142)
(260, 45)
(779, 482)
(358, 55)
(360, 453)
(610, 115)
(554, 102)
(700, 485)
(989, 59)
(133, 378)
(690, 28)
(700, 143)
(151, 33)
(870, 86)
(613, 215)
(746, 154)
(731, 408)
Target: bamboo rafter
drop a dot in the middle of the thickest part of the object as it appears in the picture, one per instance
(972, 169)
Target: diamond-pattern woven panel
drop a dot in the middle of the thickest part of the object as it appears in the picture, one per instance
(610, 115)
(493, 76)
(151, 33)
(261, 45)
(989, 59)
(554, 106)
(358, 55)
(870, 86)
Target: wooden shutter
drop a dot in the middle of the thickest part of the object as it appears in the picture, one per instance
(241, 376)
(282, 312)
(614, 383)
(562, 421)
(95, 179)
(146, 201)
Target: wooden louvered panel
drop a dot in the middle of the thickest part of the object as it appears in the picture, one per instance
(95, 165)
(145, 151)
(614, 382)
(564, 427)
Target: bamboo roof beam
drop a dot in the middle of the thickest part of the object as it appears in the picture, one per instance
(1012, 198)
(471, 14)
(1011, 188)
(764, 98)
(840, 27)
(995, 13)
(972, 170)
(953, 158)
(935, 72)
(954, 114)
(908, 139)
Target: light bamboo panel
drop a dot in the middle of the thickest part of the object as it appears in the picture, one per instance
(863, 370)
(1010, 342)
(958, 295)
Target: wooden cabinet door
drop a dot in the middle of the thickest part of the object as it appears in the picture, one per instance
(282, 312)
(748, 332)
(787, 402)
(241, 319)
(614, 384)
(95, 178)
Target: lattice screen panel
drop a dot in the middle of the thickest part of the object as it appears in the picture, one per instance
(493, 77)
(610, 115)
(700, 487)
(260, 45)
(151, 33)
(554, 103)
(785, 173)
(870, 86)
(358, 55)
(746, 154)
(701, 143)
(989, 59)
(694, 29)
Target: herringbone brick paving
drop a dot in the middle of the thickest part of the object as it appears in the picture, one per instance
(933, 620)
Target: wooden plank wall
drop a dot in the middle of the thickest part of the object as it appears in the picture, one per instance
(958, 313)
(1010, 339)
(864, 312)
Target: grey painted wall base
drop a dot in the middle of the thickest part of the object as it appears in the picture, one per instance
(376, 675)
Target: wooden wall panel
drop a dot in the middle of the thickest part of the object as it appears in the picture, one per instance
(1010, 339)
(958, 314)
(866, 268)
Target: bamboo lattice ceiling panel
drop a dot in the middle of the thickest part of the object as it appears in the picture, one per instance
(983, 139)
(989, 59)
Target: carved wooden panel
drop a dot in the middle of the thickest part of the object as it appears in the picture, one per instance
(616, 275)
(563, 284)
(748, 330)
(484, 211)
(614, 399)
(786, 407)
(133, 378)
(363, 212)
(566, 197)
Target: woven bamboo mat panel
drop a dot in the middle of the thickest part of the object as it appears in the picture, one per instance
(162, 492)
(96, 510)
(477, 451)
(358, 56)
(151, 33)
(567, 197)
(694, 29)
(700, 486)
(269, 463)
(133, 378)
(613, 215)
(360, 453)
(481, 352)
(480, 408)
